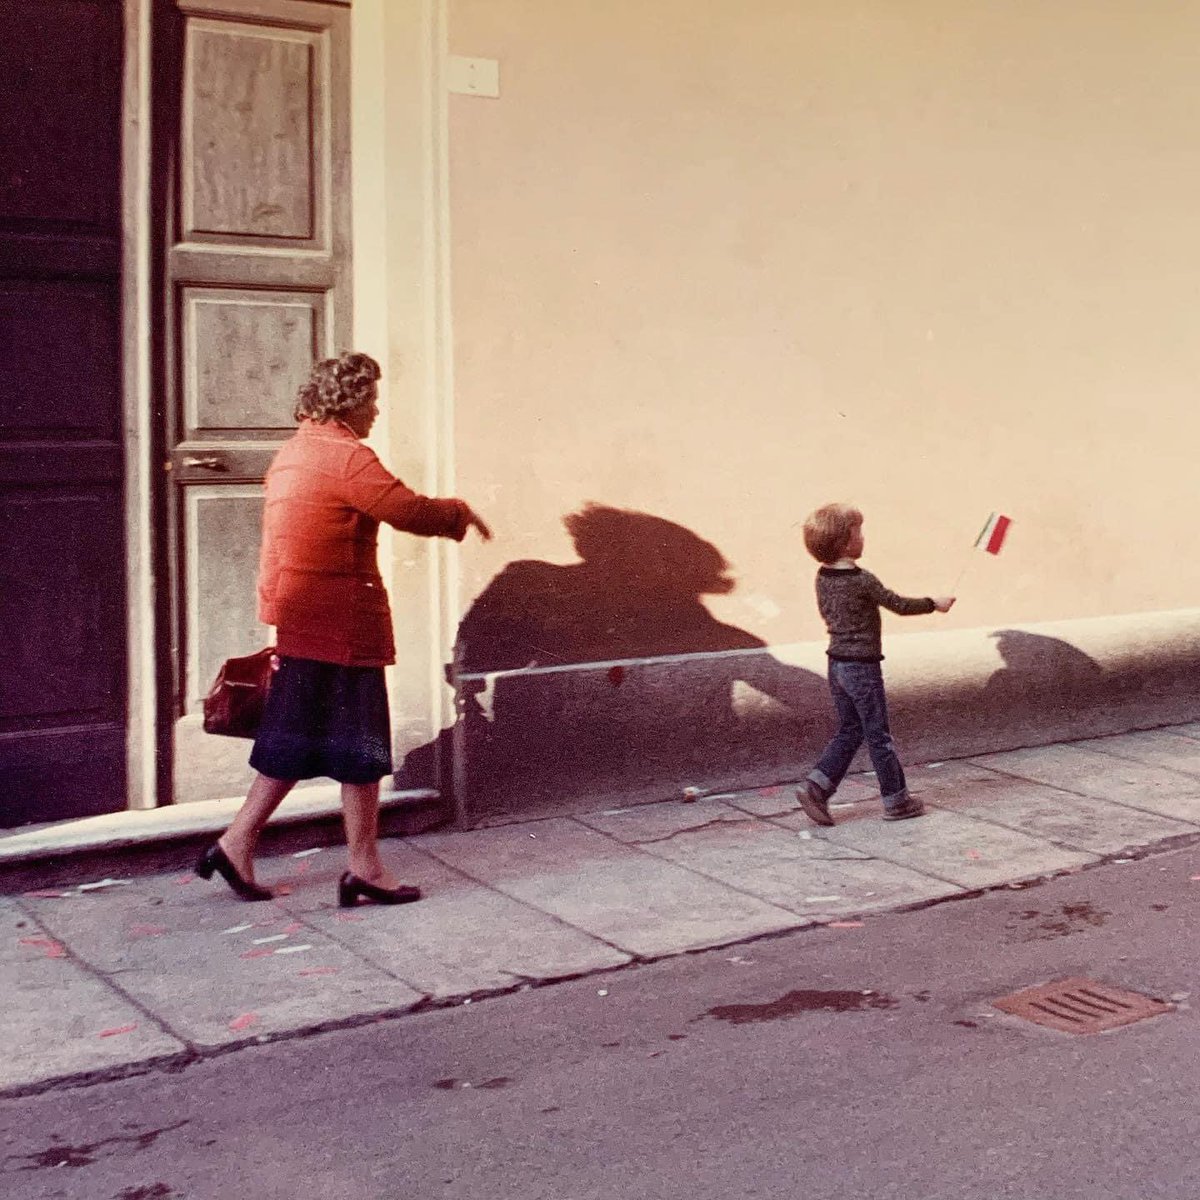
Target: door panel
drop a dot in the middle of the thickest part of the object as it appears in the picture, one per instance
(252, 149)
(246, 353)
(62, 539)
(257, 286)
(221, 560)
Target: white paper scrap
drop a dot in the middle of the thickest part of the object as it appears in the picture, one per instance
(262, 941)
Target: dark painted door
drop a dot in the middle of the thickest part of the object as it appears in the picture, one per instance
(62, 539)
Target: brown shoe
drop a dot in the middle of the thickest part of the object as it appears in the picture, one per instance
(912, 807)
(814, 803)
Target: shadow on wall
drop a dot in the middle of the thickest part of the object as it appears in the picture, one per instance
(547, 717)
(1046, 690)
(1042, 673)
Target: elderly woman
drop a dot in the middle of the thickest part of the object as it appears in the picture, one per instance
(319, 585)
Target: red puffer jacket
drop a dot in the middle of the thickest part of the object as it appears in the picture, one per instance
(319, 582)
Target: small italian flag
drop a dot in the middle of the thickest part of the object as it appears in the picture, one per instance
(991, 536)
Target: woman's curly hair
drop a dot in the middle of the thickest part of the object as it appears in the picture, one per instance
(337, 386)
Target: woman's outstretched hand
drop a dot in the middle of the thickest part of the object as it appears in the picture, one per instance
(475, 521)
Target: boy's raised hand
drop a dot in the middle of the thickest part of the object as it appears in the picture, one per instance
(943, 603)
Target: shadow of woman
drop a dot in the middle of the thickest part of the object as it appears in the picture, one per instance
(609, 678)
(1042, 674)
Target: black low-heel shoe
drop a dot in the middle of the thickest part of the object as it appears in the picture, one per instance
(215, 859)
(351, 890)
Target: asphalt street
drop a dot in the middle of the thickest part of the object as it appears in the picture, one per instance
(858, 1061)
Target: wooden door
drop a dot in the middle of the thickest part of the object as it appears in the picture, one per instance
(257, 286)
(62, 532)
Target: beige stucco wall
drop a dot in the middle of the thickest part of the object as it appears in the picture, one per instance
(724, 261)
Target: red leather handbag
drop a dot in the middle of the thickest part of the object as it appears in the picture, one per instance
(235, 702)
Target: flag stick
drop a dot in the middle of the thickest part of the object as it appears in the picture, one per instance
(954, 587)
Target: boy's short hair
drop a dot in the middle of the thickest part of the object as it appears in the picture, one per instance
(827, 531)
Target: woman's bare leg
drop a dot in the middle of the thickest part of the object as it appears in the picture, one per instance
(360, 811)
(239, 840)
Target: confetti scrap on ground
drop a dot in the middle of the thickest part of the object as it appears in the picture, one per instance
(319, 971)
(46, 894)
(243, 1022)
(239, 928)
(845, 924)
(118, 1030)
(49, 946)
(974, 854)
(307, 853)
(256, 953)
(819, 899)
(274, 937)
(294, 949)
(102, 883)
(183, 880)
(294, 927)
(283, 890)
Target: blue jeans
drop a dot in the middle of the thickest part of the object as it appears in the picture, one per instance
(858, 696)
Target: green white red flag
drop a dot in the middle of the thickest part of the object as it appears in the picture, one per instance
(991, 536)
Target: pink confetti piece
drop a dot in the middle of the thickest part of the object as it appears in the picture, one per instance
(303, 868)
(243, 1022)
(318, 971)
(46, 894)
(283, 890)
(183, 880)
(140, 930)
(117, 1031)
(974, 854)
(770, 792)
(294, 927)
(257, 953)
(51, 948)
(1196, 878)
(845, 924)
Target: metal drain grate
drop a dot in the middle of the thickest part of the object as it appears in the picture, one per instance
(1079, 1005)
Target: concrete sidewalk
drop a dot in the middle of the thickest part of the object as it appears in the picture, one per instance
(119, 975)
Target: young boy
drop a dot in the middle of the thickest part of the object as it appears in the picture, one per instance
(849, 600)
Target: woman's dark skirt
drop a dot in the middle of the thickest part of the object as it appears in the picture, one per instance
(323, 719)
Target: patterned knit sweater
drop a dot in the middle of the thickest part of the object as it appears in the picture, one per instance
(849, 600)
